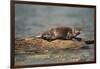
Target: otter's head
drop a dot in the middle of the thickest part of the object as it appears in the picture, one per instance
(46, 35)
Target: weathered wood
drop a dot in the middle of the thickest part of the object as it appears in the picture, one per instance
(41, 44)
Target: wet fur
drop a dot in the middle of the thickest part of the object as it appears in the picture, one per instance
(59, 33)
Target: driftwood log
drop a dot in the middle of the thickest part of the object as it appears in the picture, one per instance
(35, 44)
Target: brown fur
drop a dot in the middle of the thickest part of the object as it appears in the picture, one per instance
(59, 33)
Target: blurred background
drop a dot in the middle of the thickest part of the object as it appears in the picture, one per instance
(33, 19)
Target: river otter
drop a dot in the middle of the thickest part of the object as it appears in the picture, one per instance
(60, 33)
